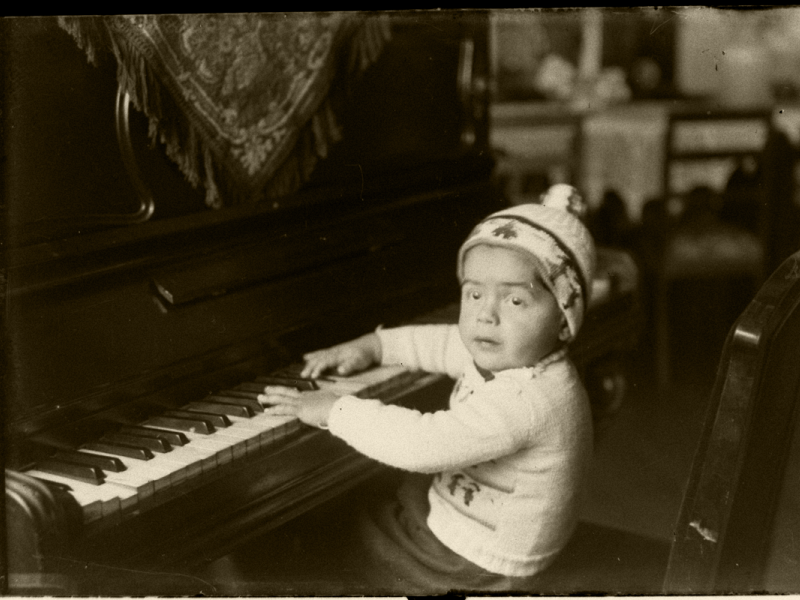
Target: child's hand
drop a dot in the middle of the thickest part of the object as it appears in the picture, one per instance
(346, 358)
(311, 408)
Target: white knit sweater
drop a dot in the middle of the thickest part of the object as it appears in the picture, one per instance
(509, 453)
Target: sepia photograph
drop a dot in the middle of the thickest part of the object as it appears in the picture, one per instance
(394, 303)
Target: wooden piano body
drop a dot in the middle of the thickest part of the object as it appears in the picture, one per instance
(108, 325)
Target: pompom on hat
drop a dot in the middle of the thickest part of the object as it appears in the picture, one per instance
(553, 234)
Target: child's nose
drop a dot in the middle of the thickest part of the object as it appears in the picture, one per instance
(488, 311)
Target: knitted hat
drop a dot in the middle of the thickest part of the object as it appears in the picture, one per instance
(553, 234)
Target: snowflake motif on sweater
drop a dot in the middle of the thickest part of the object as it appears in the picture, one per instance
(457, 483)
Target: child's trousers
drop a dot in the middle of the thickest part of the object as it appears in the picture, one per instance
(370, 544)
(407, 558)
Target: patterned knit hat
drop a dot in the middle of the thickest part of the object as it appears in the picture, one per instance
(553, 234)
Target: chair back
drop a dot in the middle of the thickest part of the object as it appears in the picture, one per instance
(724, 150)
(722, 537)
(533, 147)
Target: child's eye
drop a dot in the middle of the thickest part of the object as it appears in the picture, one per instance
(471, 294)
(517, 301)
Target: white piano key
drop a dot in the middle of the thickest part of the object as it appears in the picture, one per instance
(255, 432)
(176, 466)
(176, 469)
(219, 447)
(234, 440)
(120, 495)
(276, 427)
(261, 429)
(188, 462)
(198, 458)
(371, 382)
(96, 501)
(281, 427)
(341, 387)
(144, 481)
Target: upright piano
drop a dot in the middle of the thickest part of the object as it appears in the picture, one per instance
(125, 317)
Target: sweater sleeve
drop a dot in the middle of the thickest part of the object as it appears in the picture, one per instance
(493, 422)
(432, 348)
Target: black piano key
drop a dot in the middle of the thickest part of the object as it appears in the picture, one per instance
(251, 406)
(245, 398)
(217, 420)
(293, 370)
(257, 388)
(240, 394)
(106, 463)
(174, 438)
(192, 425)
(155, 444)
(70, 470)
(301, 384)
(222, 408)
(119, 449)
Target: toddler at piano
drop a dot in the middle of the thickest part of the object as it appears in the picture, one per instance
(509, 454)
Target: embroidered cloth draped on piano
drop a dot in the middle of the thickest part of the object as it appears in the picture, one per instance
(245, 104)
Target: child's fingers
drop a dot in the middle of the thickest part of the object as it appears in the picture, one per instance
(313, 368)
(281, 390)
(318, 363)
(279, 395)
(349, 365)
(281, 410)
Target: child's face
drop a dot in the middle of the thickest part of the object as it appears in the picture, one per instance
(509, 318)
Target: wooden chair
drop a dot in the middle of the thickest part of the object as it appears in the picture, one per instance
(683, 236)
(740, 515)
(725, 538)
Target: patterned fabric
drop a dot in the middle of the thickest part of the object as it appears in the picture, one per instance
(244, 103)
(558, 243)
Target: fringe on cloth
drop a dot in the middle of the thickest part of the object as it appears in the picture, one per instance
(194, 148)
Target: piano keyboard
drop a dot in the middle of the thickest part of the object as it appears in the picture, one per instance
(121, 471)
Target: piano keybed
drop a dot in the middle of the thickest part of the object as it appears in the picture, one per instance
(134, 466)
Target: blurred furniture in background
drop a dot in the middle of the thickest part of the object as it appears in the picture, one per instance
(534, 148)
(623, 148)
(623, 151)
(665, 170)
(618, 148)
(611, 333)
(684, 233)
(739, 520)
